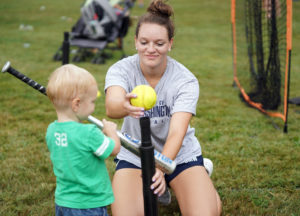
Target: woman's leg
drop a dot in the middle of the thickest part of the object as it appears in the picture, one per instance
(195, 193)
(128, 190)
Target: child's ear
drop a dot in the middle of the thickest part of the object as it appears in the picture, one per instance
(75, 104)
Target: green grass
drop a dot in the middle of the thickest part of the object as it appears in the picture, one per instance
(256, 166)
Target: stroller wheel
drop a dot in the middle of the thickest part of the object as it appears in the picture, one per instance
(57, 57)
(123, 56)
(98, 60)
(77, 58)
(106, 55)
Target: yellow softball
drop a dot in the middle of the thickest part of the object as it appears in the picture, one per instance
(146, 97)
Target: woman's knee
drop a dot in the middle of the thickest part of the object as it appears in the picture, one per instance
(195, 193)
(127, 187)
(219, 203)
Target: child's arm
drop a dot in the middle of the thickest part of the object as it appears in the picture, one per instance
(110, 130)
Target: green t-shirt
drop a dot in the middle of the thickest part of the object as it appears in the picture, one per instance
(77, 152)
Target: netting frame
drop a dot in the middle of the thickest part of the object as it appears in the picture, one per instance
(282, 115)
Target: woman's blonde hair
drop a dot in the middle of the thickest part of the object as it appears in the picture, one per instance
(68, 82)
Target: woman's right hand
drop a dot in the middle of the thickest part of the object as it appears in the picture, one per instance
(133, 111)
(117, 103)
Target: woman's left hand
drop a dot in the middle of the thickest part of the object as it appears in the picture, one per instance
(159, 182)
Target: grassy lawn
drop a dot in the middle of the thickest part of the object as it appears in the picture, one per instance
(256, 166)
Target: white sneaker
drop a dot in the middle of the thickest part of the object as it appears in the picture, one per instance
(209, 166)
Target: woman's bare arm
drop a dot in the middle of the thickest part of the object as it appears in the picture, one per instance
(178, 127)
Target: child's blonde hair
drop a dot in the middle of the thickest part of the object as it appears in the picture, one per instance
(68, 82)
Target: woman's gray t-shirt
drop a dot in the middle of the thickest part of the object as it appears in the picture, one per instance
(177, 91)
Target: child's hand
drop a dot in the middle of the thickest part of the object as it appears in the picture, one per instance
(109, 128)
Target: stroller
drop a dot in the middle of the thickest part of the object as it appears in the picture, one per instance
(102, 22)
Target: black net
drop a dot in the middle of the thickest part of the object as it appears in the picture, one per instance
(261, 50)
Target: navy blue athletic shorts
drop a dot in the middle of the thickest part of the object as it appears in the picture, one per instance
(121, 164)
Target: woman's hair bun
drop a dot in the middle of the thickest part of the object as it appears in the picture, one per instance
(159, 13)
(160, 8)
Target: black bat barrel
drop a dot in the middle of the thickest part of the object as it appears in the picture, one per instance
(148, 168)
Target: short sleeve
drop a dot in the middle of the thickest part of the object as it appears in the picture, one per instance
(101, 145)
(117, 75)
(187, 97)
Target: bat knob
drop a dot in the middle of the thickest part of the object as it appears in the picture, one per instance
(5, 67)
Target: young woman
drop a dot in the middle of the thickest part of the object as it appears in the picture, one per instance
(177, 95)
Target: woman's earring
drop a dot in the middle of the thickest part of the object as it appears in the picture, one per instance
(136, 48)
(169, 49)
